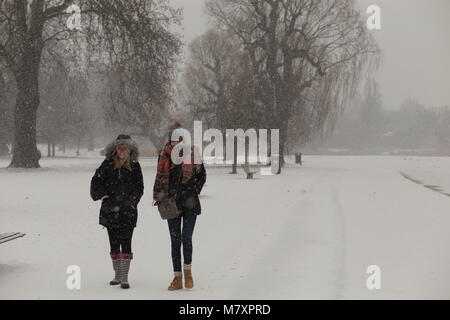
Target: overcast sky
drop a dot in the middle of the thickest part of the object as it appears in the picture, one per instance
(415, 40)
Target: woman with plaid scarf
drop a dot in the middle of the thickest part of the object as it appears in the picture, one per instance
(184, 182)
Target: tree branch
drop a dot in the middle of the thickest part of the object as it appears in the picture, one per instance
(19, 9)
(55, 11)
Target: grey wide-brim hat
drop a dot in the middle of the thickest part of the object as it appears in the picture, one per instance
(126, 141)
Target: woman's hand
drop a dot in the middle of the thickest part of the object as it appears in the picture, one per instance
(104, 197)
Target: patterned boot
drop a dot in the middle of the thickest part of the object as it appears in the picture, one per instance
(188, 280)
(177, 282)
(125, 267)
(116, 266)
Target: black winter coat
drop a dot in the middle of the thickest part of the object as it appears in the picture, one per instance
(187, 194)
(124, 188)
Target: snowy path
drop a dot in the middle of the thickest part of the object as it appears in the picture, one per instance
(309, 233)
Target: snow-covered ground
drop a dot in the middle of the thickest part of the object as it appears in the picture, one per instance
(309, 233)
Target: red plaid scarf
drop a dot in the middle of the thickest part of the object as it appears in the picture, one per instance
(161, 186)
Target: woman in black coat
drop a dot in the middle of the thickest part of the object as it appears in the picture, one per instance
(118, 183)
(184, 182)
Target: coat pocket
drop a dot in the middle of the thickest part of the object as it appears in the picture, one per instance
(109, 207)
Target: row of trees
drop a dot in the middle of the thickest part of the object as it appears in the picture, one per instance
(118, 35)
(369, 128)
(286, 64)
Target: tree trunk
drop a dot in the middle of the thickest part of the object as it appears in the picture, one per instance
(25, 152)
(3, 148)
(234, 166)
(283, 140)
(26, 71)
(3, 115)
(78, 146)
(283, 127)
(91, 144)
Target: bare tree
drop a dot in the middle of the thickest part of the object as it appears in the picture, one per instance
(208, 77)
(219, 86)
(63, 117)
(135, 30)
(311, 53)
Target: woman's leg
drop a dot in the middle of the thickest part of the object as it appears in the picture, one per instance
(126, 237)
(175, 237)
(114, 241)
(188, 230)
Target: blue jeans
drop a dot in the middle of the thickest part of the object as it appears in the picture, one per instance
(181, 235)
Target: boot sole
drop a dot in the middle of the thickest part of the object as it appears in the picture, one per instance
(175, 289)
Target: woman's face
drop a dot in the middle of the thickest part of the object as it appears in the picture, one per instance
(123, 153)
(174, 143)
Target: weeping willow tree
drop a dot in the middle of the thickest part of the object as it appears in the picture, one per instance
(136, 31)
(309, 56)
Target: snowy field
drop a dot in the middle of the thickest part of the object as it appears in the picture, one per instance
(309, 233)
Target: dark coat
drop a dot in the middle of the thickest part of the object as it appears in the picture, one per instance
(187, 194)
(124, 188)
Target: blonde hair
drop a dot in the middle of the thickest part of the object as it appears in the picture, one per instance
(175, 125)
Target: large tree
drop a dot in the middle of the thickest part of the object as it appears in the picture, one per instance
(63, 116)
(218, 85)
(132, 30)
(311, 53)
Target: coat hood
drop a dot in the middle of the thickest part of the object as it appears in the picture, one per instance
(110, 149)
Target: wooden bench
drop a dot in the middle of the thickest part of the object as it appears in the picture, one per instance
(5, 237)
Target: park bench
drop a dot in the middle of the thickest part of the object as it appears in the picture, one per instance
(5, 237)
(248, 173)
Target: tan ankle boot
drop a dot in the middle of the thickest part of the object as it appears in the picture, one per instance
(177, 283)
(188, 280)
